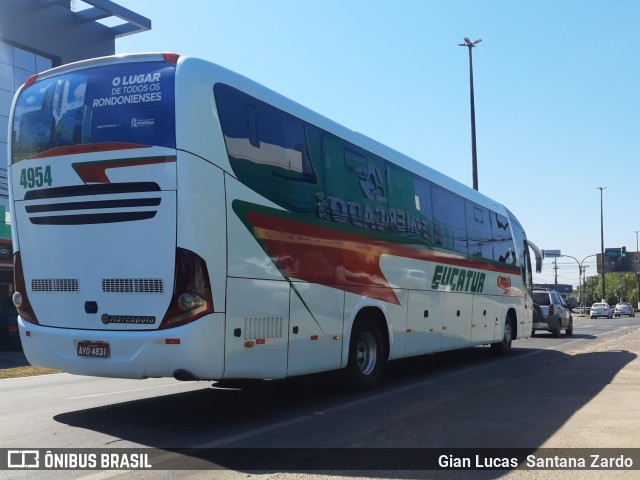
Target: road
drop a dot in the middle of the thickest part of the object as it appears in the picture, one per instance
(464, 399)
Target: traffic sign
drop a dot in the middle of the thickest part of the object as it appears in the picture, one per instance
(613, 252)
(551, 253)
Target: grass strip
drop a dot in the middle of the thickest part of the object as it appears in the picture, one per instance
(29, 371)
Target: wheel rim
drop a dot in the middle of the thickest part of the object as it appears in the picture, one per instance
(367, 353)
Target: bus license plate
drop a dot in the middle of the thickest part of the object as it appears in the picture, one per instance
(93, 349)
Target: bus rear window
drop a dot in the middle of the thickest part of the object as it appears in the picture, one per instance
(126, 103)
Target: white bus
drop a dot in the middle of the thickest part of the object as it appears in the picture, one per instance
(174, 219)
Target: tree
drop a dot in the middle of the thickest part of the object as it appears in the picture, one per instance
(616, 286)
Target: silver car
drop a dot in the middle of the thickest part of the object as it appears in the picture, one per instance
(550, 313)
(601, 309)
(623, 308)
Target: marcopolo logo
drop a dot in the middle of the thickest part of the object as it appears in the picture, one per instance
(128, 319)
(457, 279)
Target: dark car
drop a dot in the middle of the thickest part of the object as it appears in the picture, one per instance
(550, 312)
(9, 334)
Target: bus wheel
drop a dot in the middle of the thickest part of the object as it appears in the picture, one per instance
(366, 357)
(504, 346)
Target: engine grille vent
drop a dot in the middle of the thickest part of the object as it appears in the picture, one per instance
(54, 285)
(263, 327)
(132, 285)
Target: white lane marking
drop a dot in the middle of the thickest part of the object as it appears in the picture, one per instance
(125, 391)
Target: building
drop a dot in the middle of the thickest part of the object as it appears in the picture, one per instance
(36, 35)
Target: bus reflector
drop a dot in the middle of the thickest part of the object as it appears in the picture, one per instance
(314, 337)
(249, 344)
(261, 341)
(172, 341)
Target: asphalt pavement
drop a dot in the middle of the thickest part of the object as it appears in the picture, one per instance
(589, 400)
(12, 359)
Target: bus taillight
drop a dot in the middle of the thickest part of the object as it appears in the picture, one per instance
(20, 297)
(192, 297)
(171, 57)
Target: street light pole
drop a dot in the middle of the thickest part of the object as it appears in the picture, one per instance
(583, 270)
(637, 273)
(602, 242)
(474, 158)
(579, 271)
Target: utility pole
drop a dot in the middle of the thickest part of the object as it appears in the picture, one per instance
(604, 299)
(474, 158)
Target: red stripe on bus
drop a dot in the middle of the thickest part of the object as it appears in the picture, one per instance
(328, 256)
(95, 172)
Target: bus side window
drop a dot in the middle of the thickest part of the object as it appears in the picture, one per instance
(449, 217)
(267, 149)
(409, 205)
(252, 126)
(479, 231)
(524, 260)
(502, 242)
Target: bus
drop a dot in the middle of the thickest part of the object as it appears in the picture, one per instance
(171, 218)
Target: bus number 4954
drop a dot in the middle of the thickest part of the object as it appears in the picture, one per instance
(35, 177)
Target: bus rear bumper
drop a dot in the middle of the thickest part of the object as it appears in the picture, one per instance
(197, 348)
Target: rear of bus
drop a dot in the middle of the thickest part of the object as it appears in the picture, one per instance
(103, 285)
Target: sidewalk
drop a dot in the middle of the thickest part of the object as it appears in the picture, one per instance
(612, 418)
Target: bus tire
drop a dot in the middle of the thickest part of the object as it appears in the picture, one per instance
(504, 346)
(366, 356)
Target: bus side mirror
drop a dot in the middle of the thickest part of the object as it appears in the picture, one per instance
(538, 254)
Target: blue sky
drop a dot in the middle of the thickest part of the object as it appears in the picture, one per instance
(556, 93)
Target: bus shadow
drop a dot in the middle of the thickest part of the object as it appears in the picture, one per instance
(574, 336)
(468, 399)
